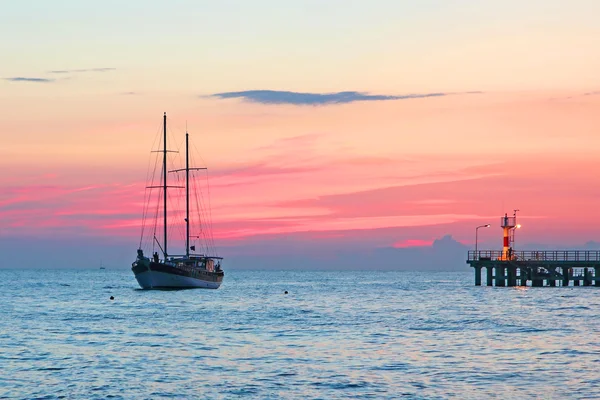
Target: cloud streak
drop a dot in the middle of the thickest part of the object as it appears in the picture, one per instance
(56, 72)
(315, 99)
(26, 79)
(70, 71)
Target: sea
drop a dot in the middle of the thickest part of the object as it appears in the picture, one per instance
(334, 335)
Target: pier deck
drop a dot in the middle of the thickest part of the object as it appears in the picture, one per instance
(539, 268)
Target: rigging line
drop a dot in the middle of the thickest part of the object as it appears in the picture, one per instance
(147, 200)
(172, 138)
(149, 191)
(180, 180)
(202, 206)
(212, 238)
(156, 137)
(144, 216)
(172, 160)
(195, 213)
(208, 215)
(179, 210)
(160, 194)
(150, 161)
(208, 218)
(200, 232)
(181, 198)
(200, 221)
(183, 227)
(175, 201)
(176, 127)
(199, 208)
(206, 233)
(173, 219)
(199, 154)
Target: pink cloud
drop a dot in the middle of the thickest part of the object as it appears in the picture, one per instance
(116, 209)
(412, 243)
(349, 173)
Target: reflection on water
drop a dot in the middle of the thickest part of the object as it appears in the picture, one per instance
(334, 335)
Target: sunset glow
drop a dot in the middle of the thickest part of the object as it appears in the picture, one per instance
(497, 121)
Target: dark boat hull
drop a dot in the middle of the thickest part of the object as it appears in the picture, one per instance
(164, 276)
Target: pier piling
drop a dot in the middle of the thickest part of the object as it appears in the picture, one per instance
(490, 275)
(477, 276)
(500, 276)
(565, 271)
(587, 278)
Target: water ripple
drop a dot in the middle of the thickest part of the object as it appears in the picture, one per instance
(335, 335)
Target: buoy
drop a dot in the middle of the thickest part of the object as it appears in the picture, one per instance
(285, 292)
(112, 297)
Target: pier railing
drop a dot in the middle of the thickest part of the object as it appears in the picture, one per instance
(534, 255)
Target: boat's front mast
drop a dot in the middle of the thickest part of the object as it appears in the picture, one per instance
(165, 181)
(187, 198)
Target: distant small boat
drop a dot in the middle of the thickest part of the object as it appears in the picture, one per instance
(176, 271)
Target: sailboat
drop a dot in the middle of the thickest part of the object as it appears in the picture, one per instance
(189, 270)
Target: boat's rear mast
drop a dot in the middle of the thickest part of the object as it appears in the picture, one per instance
(187, 170)
(187, 194)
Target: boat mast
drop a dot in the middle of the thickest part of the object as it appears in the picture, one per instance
(187, 170)
(165, 181)
(187, 197)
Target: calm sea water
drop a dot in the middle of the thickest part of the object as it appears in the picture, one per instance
(334, 335)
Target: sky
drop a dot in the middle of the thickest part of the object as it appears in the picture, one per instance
(328, 127)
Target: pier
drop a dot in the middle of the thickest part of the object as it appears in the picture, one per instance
(536, 268)
(508, 267)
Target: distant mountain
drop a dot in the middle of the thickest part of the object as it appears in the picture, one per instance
(445, 254)
(591, 245)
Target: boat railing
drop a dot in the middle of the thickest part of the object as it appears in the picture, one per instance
(174, 257)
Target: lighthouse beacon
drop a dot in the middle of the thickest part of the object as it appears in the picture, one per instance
(508, 224)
